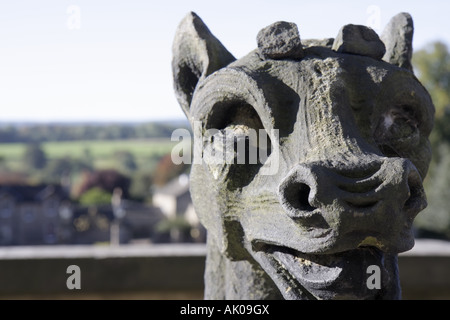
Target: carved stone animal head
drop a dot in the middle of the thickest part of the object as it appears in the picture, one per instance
(346, 127)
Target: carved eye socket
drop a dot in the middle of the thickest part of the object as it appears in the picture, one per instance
(240, 134)
(238, 142)
(233, 113)
(397, 129)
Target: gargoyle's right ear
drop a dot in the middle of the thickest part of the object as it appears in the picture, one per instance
(398, 38)
(196, 54)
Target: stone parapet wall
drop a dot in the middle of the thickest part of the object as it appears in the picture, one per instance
(169, 271)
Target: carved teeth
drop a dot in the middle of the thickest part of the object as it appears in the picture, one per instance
(280, 40)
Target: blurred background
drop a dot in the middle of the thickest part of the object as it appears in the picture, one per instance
(88, 111)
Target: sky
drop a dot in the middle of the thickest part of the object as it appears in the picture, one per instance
(110, 60)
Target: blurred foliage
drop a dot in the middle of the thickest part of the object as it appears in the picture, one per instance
(166, 170)
(141, 185)
(178, 223)
(64, 167)
(432, 67)
(95, 196)
(106, 180)
(72, 132)
(34, 156)
(125, 161)
(73, 163)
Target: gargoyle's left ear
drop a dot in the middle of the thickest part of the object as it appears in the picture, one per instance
(398, 37)
(196, 54)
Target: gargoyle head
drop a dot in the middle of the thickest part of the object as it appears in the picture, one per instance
(312, 152)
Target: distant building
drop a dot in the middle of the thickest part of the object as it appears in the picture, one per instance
(44, 214)
(141, 220)
(32, 215)
(174, 200)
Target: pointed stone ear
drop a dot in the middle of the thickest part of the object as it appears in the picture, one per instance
(196, 54)
(398, 37)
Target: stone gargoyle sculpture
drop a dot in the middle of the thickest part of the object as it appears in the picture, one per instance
(338, 178)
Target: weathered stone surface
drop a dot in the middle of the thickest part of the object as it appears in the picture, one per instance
(360, 40)
(342, 152)
(398, 37)
(280, 40)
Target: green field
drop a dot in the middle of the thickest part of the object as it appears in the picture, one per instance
(98, 149)
(101, 152)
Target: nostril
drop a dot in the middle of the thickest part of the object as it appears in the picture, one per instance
(297, 196)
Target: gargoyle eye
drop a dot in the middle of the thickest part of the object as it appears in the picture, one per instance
(240, 133)
(400, 121)
(398, 127)
(233, 113)
(236, 143)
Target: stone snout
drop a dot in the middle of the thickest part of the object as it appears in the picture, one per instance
(371, 204)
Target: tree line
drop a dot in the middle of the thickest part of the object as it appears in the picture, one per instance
(38, 133)
(432, 67)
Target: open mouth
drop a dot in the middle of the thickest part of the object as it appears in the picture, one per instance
(341, 275)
